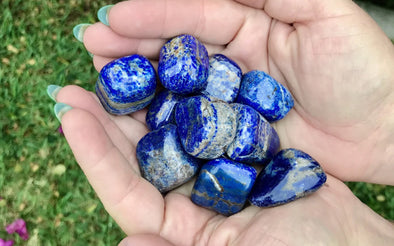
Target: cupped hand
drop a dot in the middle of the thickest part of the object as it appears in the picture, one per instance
(334, 59)
(337, 64)
(104, 146)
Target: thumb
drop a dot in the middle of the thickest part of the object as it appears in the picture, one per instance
(145, 240)
(290, 11)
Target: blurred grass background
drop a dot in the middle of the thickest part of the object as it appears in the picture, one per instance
(39, 178)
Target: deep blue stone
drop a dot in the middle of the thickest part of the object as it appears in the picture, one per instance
(262, 92)
(256, 141)
(162, 160)
(290, 175)
(223, 185)
(162, 109)
(204, 127)
(183, 65)
(224, 78)
(126, 85)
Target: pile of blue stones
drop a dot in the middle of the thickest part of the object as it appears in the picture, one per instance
(213, 122)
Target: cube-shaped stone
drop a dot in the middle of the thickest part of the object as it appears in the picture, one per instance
(263, 93)
(126, 85)
(162, 160)
(224, 78)
(183, 65)
(256, 141)
(205, 127)
(223, 185)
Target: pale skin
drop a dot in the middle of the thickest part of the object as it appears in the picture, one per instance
(336, 62)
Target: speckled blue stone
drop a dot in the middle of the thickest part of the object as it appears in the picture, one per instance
(183, 65)
(224, 78)
(162, 109)
(290, 175)
(256, 141)
(205, 128)
(223, 186)
(126, 85)
(262, 92)
(162, 160)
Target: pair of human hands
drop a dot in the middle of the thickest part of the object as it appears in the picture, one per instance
(339, 67)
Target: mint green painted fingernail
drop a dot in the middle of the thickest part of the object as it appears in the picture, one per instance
(79, 31)
(102, 14)
(53, 90)
(60, 109)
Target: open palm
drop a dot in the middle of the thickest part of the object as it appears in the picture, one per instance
(332, 57)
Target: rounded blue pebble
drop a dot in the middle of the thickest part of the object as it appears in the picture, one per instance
(205, 127)
(126, 85)
(224, 78)
(223, 186)
(183, 65)
(162, 109)
(162, 160)
(256, 141)
(290, 175)
(262, 92)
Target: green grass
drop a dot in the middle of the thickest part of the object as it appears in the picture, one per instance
(39, 179)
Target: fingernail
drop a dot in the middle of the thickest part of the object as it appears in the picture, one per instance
(102, 14)
(53, 90)
(60, 109)
(79, 30)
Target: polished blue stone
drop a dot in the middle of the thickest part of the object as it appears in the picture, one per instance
(126, 85)
(224, 78)
(162, 160)
(290, 175)
(223, 186)
(183, 65)
(270, 98)
(205, 127)
(162, 109)
(256, 141)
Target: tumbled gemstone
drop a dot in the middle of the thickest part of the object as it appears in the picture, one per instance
(162, 160)
(224, 78)
(183, 65)
(256, 141)
(205, 128)
(223, 186)
(262, 92)
(290, 175)
(126, 85)
(162, 109)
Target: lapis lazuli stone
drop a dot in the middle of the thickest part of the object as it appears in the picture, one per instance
(126, 85)
(183, 65)
(256, 141)
(290, 175)
(205, 128)
(162, 109)
(223, 186)
(262, 92)
(224, 78)
(162, 160)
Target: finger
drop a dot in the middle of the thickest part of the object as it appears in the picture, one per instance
(105, 44)
(124, 131)
(100, 40)
(214, 22)
(100, 61)
(133, 202)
